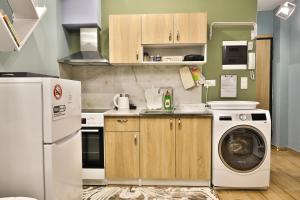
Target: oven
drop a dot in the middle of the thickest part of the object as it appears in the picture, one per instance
(92, 146)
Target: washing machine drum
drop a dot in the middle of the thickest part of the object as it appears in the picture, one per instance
(242, 148)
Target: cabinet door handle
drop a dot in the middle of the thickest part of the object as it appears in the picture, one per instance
(178, 36)
(179, 124)
(171, 124)
(170, 36)
(135, 139)
(122, 120)
(137, 55)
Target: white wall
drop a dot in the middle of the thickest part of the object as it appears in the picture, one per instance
(45, 45)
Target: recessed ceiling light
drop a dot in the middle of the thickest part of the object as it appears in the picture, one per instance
(286, 10)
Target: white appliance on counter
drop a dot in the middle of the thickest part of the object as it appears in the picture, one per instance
(241, 148)
(92, 122)
(121, 101)
(40, 145)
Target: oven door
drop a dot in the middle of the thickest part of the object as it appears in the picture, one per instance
(92, 147)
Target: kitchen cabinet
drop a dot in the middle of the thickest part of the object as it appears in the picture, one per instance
(175, 148)
(193, 148)
(171, 36)
(190, 28)
(157, 147)
(122, 157)
(122, 124)
(185, 28)
(157, 29)
(125, 39)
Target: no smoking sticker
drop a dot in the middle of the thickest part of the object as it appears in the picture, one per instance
(57, 92)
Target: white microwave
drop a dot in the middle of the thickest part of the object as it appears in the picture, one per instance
(234, 55)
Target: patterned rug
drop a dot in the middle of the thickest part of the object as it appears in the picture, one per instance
(148, 193)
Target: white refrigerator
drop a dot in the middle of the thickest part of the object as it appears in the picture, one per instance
(40, 138)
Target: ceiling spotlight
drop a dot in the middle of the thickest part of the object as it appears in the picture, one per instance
(286, 10)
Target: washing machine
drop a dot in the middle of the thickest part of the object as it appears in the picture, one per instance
(241, 149)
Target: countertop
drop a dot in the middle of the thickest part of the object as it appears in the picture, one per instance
(125, 113)
(138, 112)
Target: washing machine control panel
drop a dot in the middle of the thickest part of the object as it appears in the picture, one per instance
(243, 117)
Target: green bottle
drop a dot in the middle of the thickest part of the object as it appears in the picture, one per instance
(167, 101)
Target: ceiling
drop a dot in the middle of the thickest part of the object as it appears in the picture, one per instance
(268, 4)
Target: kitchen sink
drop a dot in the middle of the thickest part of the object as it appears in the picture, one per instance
(156, 112)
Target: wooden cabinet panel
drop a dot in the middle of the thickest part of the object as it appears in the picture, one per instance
(263, 73)
(122, 155)
(122, 124)
(125, 39)
(157, 29)
(157, 148)
(190, 28)
(193, 148)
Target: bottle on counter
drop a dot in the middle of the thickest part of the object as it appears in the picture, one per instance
(168, 101)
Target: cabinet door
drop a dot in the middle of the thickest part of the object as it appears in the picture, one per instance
(157, 29)
(122, 155)
(190, 28)
(125, 39)
(157, 148)
(193, 148)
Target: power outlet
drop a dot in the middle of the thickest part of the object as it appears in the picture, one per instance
(210, 83)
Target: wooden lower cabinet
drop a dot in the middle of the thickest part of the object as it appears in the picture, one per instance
(193, 148)
(122, 155)
(157, 147)
(165, 148)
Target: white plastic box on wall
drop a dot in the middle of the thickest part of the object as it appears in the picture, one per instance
(81, 13)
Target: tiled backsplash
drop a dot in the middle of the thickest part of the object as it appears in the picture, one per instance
(100, 84)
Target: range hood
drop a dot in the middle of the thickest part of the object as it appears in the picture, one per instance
(89, 52)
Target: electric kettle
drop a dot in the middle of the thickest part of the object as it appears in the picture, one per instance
(121, 101)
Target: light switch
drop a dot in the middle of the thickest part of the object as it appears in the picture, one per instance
(244, 83)
(250, 46)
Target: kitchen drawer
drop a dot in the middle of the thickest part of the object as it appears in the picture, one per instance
(122, 124)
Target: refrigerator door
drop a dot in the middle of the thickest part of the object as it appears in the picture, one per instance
(62, 108)
(21, 139)
(63, 161)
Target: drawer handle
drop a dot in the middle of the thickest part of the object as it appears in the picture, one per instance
(179, 124)
(122, 120)
(137, 55)
(171, 124)
(170, 36)
(178, 36)
(135, 139)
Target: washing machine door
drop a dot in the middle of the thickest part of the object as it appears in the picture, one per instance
(242, 149)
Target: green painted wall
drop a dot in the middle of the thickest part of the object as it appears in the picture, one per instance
(218, 10)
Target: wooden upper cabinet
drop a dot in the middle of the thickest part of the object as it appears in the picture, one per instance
(190, 28)
(193, 148)
(157, 29)
(157, 148)
(125, 39)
